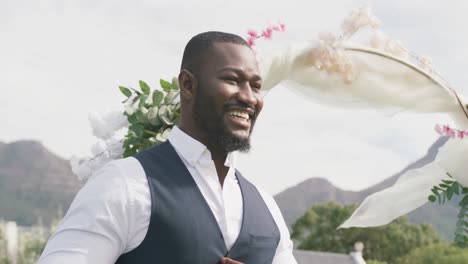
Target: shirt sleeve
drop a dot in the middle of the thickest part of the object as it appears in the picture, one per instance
(96, 226)
(284, 251)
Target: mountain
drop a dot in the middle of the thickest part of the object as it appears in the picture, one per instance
(34, 183)
(37, 184)
(295, 201)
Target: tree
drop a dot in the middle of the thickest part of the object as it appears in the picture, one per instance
(3, 248)
(317, 230)
(435, 254)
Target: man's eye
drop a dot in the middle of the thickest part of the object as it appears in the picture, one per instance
(231, 80)
(257, 86)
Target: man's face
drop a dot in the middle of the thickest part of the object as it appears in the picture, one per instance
(228, 98)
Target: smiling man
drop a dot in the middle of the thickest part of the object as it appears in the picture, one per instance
(183, 201)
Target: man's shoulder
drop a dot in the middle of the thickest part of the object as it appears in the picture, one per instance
(118, 172)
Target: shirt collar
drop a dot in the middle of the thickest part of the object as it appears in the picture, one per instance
(192, 150)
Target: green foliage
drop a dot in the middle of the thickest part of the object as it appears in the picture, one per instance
(31, 245)
(125, 91)
(317, 230)
(435, 254)
(31, 242)
(375, 262)
(3, 249)
(444, 192)
(151, 115)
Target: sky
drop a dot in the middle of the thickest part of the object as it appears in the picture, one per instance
(61, 60)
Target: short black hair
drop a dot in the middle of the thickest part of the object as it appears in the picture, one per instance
(202, 42)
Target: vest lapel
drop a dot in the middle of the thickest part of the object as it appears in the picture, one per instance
(179, 167)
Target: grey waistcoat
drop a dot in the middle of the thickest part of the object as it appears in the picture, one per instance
(183, 229)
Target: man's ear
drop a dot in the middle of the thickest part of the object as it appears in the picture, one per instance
(188, 84)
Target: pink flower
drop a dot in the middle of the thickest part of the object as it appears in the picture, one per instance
(252, 33)
(451, 133)
(282, 26)
(447, 129)
(466, 133)
(267, 33)
(461, 134)
(251, 41)
(439, 130)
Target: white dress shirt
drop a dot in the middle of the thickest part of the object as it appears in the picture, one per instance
(110, 215)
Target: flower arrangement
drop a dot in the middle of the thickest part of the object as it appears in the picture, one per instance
(330, 56)
(150, 114)
(147, 120)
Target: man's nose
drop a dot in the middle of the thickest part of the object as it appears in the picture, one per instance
(247, 96)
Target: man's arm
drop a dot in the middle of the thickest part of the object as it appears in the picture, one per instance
(96, 226)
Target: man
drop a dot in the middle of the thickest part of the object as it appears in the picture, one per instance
(183, 201)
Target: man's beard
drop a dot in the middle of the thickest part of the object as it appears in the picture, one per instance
(218, 136)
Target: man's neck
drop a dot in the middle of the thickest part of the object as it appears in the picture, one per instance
(218, 156)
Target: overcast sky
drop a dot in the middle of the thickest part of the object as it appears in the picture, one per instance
(62, 59)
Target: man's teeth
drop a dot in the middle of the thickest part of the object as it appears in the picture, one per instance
(238, 114)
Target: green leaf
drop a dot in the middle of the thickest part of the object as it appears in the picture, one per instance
(137, 129)
(167, 86)
(432, 198)
(141, 115)
(153, 116)
(129, 152)
(464, 201)
(170, 112)
(447, 182)
(132, 119)
(170, 96)
(465, 190)
(445, 186)
(133, 140)
(177, 107)
(434, 191)
(175, 84)
(176, 120)
(456, 188)
(142, 101)
(157, 97)
(166, 120)
(162, 114)
(449, 193)
(144, 87)
(125, 91)
(136, 91)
